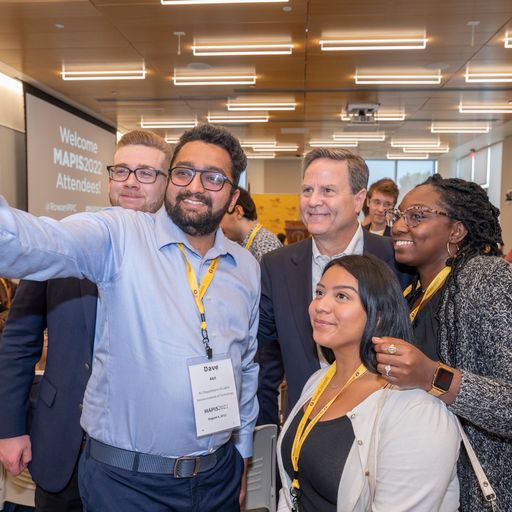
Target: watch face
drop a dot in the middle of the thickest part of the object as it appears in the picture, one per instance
(443, 379)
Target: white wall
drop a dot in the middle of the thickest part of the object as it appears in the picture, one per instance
(13, 171)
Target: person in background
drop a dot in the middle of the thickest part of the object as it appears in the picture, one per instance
(282, 238)
(382, 195)
(241, 225)
(352, 442)
(67, 307)
(461, 312)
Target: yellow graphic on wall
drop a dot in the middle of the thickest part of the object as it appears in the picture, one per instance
(274, 209)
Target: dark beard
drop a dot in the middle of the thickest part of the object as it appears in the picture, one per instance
(195, 224)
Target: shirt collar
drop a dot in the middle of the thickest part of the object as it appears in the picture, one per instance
(355, 246)
(167, 233)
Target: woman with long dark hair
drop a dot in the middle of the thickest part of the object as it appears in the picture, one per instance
(461, 312)
(352, 442)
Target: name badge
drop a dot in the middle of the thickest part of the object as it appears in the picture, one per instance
(214, 394)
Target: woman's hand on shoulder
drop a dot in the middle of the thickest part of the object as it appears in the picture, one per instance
(403, 364)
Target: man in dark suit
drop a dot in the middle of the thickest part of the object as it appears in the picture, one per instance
(333, 193)
(51, 444)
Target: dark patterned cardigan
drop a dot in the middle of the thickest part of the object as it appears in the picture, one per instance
(475, 336)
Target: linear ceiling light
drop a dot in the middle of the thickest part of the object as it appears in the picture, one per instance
(379, 116)
(259, 144)
(243, 49)
(168, 124)
(113, 74)
(256, 118)
(202, 2)
(332, 144)
(262, 156)
(494, 76)
(485, 109)
(172, 140)
(277, 148)
(411, 79)
(401, 156)
(359, 137)
(508, 41)
(459, 128)
(234, 105)
(214, 79)
(415, 43)
(418, 143)
(441, 149)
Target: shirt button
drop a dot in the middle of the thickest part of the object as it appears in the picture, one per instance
(366, 473)
(359, 442)
(352, 415)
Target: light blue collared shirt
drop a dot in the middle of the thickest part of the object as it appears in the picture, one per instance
(148, 326)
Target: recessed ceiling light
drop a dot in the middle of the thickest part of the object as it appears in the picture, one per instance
(243, 49)
(236, 105)
(404, 77)
(401, 156)
(332, 144)
(59, 25)
(241, 119)
(348, 136)
(489, 76)
(202, 2)
(261, 156)
(178, 123)
(485, 109)
(415, 143)
(459, 128)
(413, 43)
(103, 74)
(440, 149)
(212, 79)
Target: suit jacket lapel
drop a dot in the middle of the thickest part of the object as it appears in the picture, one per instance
(300, 293)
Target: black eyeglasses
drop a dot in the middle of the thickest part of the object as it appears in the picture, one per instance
(213, 181)
(412, 215)
(145, 175)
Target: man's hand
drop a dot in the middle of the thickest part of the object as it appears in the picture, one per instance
(15, 453)
(243, 486)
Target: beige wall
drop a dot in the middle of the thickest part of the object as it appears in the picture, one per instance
(506, 185)
(275, 176)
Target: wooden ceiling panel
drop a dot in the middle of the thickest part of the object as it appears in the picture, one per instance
(115, 32)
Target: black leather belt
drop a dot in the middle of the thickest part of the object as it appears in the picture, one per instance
(182, 467)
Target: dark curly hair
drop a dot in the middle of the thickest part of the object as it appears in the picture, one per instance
(218, 136)
(468, 203)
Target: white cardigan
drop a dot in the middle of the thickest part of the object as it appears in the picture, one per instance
(412, 465)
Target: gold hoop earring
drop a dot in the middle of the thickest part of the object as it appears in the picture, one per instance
(448, 249)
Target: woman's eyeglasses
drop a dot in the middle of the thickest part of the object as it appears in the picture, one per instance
(412, 215)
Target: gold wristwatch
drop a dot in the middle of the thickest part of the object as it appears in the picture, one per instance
(442, 380)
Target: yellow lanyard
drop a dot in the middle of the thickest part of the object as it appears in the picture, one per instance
(433, 287)
(7, 293)
(253, 234)
(198, 293)
(303, 431)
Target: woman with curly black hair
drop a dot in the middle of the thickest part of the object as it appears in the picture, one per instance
(461, 309)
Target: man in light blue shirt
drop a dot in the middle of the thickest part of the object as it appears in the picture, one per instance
(161, 437)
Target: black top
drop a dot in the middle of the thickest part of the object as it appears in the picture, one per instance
(321, 461)
(426, 324)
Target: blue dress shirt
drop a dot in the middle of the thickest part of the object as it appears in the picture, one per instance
(148, 326)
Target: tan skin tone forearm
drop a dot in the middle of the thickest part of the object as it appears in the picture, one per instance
(410, 368)
(243, 486)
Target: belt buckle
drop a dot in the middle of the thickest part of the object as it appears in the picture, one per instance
(197, 465)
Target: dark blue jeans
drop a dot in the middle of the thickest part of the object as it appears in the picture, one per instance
(104, 488)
